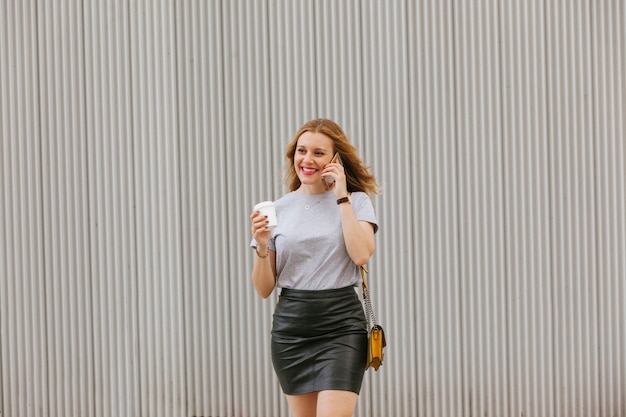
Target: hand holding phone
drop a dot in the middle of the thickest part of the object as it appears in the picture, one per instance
(336, 160)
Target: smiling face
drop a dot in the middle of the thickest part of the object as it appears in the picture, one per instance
(313, 151)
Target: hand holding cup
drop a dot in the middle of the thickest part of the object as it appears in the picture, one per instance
(264, 220)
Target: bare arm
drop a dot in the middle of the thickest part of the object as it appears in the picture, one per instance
(264, 269)
(358, 235)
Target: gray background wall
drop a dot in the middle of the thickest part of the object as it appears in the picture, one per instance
(137, 135)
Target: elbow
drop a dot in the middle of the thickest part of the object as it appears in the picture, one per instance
(264, 293)
(263, 288)
(264, 283)
(361, 261)
(363, 258)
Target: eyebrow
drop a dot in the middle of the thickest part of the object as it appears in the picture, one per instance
(315, 149)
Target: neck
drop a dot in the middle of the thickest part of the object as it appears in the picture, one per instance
(317, 188)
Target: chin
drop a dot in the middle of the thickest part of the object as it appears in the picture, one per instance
(308, 181)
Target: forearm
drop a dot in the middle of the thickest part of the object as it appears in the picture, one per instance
(263, 276)
(359, 237)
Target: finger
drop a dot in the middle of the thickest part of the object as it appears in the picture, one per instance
(254, 214)
(329, 171)
(260, 224)
(257, 216)
(336, 173)
(337, 167)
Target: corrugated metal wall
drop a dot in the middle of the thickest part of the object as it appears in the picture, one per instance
(137, 135)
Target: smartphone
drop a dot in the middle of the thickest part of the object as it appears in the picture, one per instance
(336, 159)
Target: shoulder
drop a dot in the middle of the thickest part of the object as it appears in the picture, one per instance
(285, 198)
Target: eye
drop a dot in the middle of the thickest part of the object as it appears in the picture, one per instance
(301, 150)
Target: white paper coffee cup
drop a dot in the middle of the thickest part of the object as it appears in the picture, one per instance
(268, 209)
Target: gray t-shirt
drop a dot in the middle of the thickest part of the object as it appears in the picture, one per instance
(310, 250)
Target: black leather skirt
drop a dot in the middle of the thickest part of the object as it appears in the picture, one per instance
(319, 341)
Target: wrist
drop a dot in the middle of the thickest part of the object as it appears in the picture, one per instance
(265, 249)
(345, 199)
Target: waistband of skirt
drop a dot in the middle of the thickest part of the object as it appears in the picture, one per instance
(317, 294)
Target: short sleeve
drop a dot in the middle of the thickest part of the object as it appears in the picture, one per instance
(363, 208)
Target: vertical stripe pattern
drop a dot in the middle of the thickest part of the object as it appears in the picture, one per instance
(135, 137)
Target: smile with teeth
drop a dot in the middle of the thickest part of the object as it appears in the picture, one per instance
(308, 171)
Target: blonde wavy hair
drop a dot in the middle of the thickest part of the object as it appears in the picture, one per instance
(358, 176)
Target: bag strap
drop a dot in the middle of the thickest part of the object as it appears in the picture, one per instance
(369, 310)
(363, 272)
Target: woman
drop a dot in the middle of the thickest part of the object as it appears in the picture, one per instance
(326, 226)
